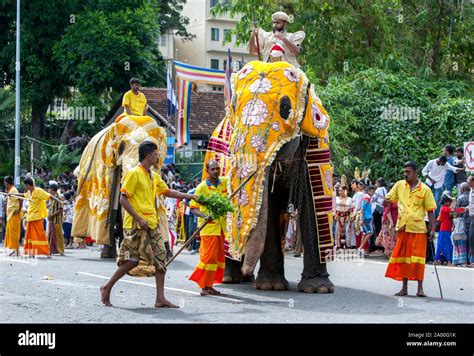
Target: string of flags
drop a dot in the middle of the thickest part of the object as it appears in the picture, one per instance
(187, 76)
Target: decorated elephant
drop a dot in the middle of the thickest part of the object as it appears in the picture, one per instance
(275, 130)
(108, 156)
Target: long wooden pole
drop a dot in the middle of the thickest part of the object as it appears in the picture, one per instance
(256, 37)
(15, 196)
(193, 236)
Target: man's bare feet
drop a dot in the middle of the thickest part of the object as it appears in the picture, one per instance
(205, 292)
(105, 296)
(401, 293)
(421, 294)
(165, 304)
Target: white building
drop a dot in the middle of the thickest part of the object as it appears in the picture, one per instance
(166, 45)
(207, 49)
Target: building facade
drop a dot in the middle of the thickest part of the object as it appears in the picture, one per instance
(208, 49)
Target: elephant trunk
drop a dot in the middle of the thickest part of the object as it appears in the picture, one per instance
(256, 241)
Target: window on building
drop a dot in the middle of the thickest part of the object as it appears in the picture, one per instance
(217, 88)
(225, 34)
(163, 40)
(214, 3)
(214, 63)
(214, 34)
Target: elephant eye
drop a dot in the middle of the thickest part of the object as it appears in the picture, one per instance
(285, 107)
(121, 148)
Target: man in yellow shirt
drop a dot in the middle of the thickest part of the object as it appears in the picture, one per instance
(134, 101)
(210, 268)
(414, 200)
(142, 238)
(36, 242)
(12, 235)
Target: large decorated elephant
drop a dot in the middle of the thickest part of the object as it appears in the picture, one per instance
(277, 127)
(109, 155)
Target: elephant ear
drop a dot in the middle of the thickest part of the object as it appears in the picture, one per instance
(316, 120)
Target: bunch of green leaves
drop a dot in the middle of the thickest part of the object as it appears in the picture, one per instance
(216, 205)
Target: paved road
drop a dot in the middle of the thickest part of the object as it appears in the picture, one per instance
(66, 290)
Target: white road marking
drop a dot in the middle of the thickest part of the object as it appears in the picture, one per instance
(17, 260)
(169, 288)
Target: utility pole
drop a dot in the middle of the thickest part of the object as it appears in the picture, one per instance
(17, 97)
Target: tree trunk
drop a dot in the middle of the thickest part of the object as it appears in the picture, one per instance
(68, 131)
(38, 113)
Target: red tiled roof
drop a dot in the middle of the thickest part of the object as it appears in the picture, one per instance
(207, 109)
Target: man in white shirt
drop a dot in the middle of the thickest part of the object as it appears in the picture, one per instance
(278, 45)
(434, 171)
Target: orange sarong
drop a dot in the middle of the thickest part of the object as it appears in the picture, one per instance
(409, 257)
(36, 242)
(210, 268)
(12, 234)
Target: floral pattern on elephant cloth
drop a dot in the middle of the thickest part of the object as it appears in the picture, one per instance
(116, 145)
(258, 132)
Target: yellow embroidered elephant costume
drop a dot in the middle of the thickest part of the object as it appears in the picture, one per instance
(108, 156)
(253, 132)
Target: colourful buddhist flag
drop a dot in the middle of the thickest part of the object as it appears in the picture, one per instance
(184, 108)
(199, 75)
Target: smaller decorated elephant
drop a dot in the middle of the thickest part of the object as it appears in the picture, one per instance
(109, 155)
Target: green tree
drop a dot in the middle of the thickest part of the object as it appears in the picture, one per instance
(419, 37)
(90, 45)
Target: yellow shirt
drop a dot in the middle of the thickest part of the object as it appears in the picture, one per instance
(412, 205)
(136, 102)
(206, 188)
(142, 192)
(37, 207)
(13, 204)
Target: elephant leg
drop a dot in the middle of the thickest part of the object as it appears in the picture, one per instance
(315, 278)
(109, 251)
(271, 275)
(233, 272)
(116, 234)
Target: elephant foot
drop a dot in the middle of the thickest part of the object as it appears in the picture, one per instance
(248, 279)
(232, 274)
(109, 251)
(228, 279)
(316, 284)
(271, 282)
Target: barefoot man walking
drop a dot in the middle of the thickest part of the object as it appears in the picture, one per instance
(414, 199)
(210, 268)
(142, 239)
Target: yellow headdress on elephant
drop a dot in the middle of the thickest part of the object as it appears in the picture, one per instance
(271, 105)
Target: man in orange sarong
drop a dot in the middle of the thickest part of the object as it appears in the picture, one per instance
(36, 241)
(12, 235)
(210, 268)
(414, 199)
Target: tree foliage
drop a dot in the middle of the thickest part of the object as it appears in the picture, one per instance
(394, 75)
(89, 45)
(381, 119)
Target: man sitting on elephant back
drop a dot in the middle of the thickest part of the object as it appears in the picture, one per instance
(210, 268)
(134, 101)
(277, 45)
